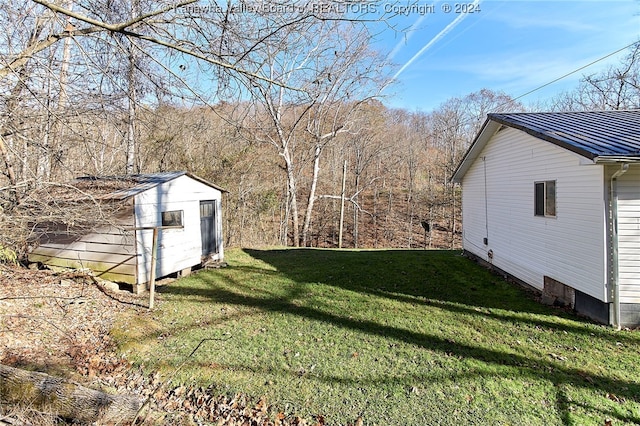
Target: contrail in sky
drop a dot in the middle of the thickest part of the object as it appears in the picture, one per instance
(434, 40)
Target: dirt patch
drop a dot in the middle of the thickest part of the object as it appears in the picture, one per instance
(54, 320)
(59, 323)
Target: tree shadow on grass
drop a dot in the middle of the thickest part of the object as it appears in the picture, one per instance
(433, 274)
(439, 278)
(531, 367)
(430, 285)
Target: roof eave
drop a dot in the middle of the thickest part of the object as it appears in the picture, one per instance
(613, 159)
(206, 182)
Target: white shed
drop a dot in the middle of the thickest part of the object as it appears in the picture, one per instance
(553, 200)
(185, 210)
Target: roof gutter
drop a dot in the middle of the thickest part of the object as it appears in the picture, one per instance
(615, 275)
(610, 159)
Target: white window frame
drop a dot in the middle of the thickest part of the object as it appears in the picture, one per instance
(172, 214)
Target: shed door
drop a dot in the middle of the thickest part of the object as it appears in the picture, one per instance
(208, 227)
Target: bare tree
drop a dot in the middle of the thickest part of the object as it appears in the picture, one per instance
(454, 125)
(616, 88)
(355, 75)
(334, 77)
(113, 58)
(365, 148)
(180, 42)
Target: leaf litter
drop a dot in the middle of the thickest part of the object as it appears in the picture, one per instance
(59, 323)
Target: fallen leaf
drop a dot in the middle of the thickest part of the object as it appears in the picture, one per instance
(615, 398)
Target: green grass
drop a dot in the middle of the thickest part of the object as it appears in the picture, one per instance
(397, 337)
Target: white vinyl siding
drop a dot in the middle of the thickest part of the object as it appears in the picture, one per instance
(177, 248)
(629, 235)
(568, 247)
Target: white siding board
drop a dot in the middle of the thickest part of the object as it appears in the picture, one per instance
(88, 256)
(627, 263)
(120, 272)
(628, 187)
(117, 238)
(81, 247)
(112, 267)
(109, 251)
(570, 247)
(111, 248)
(627, 255)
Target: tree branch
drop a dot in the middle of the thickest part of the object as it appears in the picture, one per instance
(111, 27)
(24, 57)
(122, 29)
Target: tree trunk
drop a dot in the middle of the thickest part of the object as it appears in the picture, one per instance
(7, 161)
(65, 399)
(341, 225)
(284, 218)
(410, 213)
(390, 235)
(58, 132)
(356, 216)
(132, 96)
(312, 195)
(44, 159)
(131, 118)
(376, 196)
(291, 184)
(10, 171)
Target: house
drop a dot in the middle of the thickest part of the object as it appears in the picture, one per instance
(553, 200)
(184, 210)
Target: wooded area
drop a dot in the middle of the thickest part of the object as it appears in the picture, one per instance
(271, 109)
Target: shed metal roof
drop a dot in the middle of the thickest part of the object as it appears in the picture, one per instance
(125, 186)
(601, 136)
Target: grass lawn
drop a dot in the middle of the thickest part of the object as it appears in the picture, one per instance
(398, 337)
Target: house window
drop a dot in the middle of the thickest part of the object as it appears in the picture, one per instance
(172, 218)
(545, 198)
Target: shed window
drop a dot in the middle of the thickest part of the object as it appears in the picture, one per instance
(545, 198)
(172, 218)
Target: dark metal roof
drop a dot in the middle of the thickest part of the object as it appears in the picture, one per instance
(601, 136)
(123, 187)
(591, 134)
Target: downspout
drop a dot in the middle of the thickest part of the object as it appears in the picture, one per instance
(486, 203)
(615, 275)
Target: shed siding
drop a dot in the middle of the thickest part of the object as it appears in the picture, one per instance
(568, 248)
(110, 252)
(629, 235)
(177, 248)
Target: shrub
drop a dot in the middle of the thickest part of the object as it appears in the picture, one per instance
(8, 256)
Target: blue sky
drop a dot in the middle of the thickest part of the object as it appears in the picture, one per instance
(514, 46)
